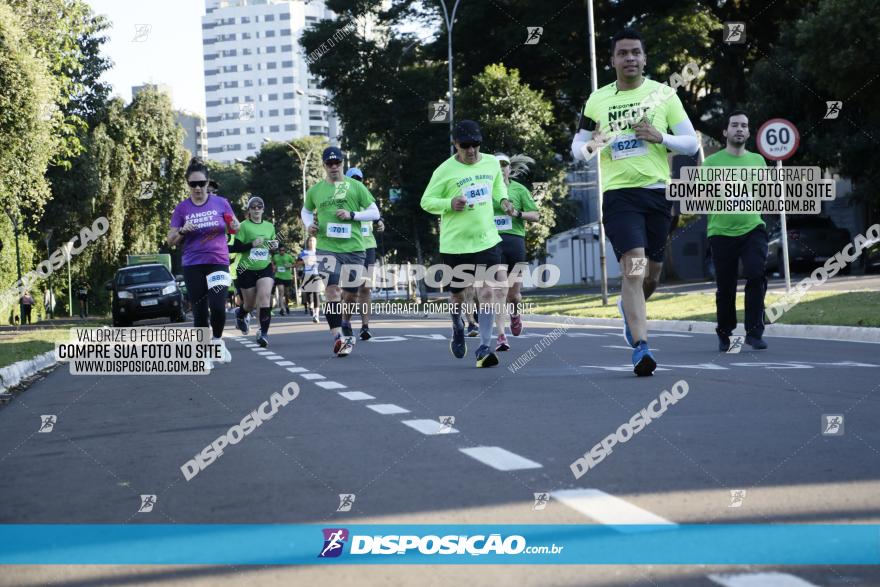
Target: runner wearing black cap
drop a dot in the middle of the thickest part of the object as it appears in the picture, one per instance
(462, 191)
(255, 240)
(333, 211)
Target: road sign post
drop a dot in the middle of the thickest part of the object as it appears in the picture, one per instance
(778, 139)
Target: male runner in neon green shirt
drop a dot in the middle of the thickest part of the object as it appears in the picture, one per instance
(738, 237)
(333, 211)
(462, 191)
(627, 123)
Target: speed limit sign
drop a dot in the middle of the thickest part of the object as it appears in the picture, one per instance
(778, 139)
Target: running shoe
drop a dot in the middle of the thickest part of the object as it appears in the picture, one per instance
(643, 361)
(225, 356)
(262, 339)
(627, 335)
(756, 342)
(473, 330)
(515, 324)
(315, 318)
(337, 344)
(723, 341)
(458, 346)
(485, 357)
(242, 321)
(502, 344)
(347, 346)
(365, 332)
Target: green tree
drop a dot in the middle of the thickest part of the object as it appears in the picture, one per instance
(515, 120)
(27, 90)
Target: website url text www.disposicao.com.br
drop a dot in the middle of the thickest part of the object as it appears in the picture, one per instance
(446, 545)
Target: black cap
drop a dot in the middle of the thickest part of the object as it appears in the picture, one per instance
(467, 131)
(332, 154)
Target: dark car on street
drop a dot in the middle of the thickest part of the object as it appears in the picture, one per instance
(812, 240)
(142, 292)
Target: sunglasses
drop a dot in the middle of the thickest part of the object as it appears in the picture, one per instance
(197, 184)
(504, 164)
(256, 206)
(332, 162)
(468, 145)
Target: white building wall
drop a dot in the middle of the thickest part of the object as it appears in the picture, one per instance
(253, 68)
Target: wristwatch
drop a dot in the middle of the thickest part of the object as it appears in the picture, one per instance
(351, 215)
(519, 213)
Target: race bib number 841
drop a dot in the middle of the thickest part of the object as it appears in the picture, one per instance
(477, 194)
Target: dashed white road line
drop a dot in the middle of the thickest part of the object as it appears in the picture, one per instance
(265, 353)
(500, 459)
(311, 376)
(330, 385)
(608, 509)
(285, 363)
(297, 370)
(759, 580)
(429, 427)
(274, 357)
(355, 395)
(388, 409)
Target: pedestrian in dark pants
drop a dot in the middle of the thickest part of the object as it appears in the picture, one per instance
(736, 238)
(27, 304)
(82, 294)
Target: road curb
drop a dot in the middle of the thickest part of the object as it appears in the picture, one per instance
(842, 333)
(13, 374)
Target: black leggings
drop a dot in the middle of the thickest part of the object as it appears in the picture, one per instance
(201, 298)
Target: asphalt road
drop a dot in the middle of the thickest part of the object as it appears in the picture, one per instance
(367, 425)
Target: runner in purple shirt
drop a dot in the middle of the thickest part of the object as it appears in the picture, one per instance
(199, 224)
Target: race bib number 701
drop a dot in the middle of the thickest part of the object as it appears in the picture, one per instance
(335, 230)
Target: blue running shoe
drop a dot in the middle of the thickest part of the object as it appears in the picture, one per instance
(627, 335)
(485, 357)
(458, 346)
(242, 321)
(643, 361)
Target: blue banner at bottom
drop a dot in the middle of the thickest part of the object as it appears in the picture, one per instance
(265, 544)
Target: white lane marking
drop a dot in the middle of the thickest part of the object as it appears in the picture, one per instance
(330, 385)
(655, 334)
(388, 409)
(274, 357)
(759, 580)
(297, 370)
(264, 353)
(620, 369)
(583, 334)
(429, 427)
(311, 376)
(285, 363)
(499, 458)
(607, 509)
(355, 395)
(427, 336)
(626, 348)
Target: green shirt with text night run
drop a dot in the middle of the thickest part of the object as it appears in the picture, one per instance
(473, 229)
(628, 162)
(256, 258)
(324, 199)
(522, 200)
(283, 265)
(733, 224)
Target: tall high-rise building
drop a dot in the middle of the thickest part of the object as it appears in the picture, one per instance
(257, 82)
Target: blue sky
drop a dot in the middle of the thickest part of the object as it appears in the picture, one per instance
(170, 53)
